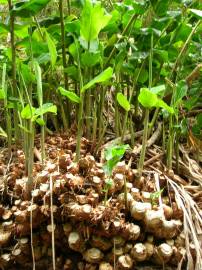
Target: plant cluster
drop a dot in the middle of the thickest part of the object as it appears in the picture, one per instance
(95, 68)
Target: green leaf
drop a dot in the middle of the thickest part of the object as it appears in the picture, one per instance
(197, 13)
(142, 75)
(27, 112)
(69, 94)
(179, 92)
(123, 102)
(102, 77)
(40, 121)
(29, 8)
(108, 167)
(52, 49)
(93, 20)
(27, 74)
(47, 107)
(116, 151)
(161, 104)
(2, 133)
(113, 155)
(73, 51)
(4, 29)
(159, 90)
(199, 120)
(90, 59)
(147, 99)
(2, 94)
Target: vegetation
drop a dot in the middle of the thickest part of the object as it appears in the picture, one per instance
(89, 76)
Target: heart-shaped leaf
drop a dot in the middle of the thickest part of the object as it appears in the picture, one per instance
(27, 112)
(123, 102)
(147, 99)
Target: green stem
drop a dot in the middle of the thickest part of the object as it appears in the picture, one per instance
(94, 123)
(31, 159)
(69, 7)
(80, 111)
(101, 109)
(177, 153)
(88, 105)
(80, 126)
(14, 81)
(106, 196)
(132, 131)
(163, 137)
(7, 112)
(62, 29)
(146, 119)
(144, 143)
(170, 144)
(124, 126)
(65, 117)
(153, 121)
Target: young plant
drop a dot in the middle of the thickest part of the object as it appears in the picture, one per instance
(112, 155)
(154, 196)
(149, 100)
(33, 115)
(101, 78)
(89, 32)
(125, 104)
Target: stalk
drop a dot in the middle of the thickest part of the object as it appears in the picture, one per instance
(69, 7)
(80, 112)
(40, 100)
(170, 144)
(94, 124)
(23, 122)
(101, 138)
(80, 125)
(177, 152)
(163, 136)
(132, 131)
(124, 126)
(88, 104)
(102, 97)
(7, 112)
(153, 121)
(106, 196)
(117, 116)
(29, 143)
(64, 60)
(146, 119)
(144, 143)
(62, 29)
(31, 159)
(14, 81)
